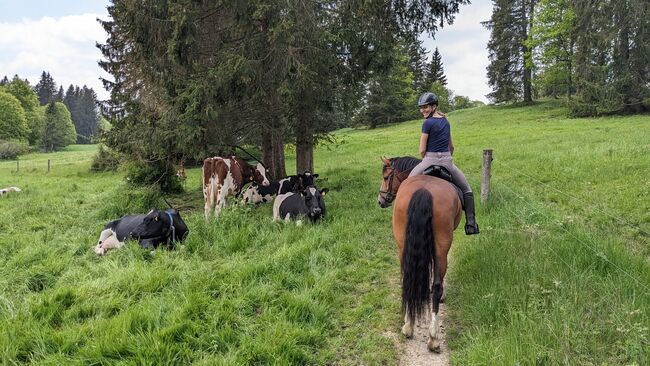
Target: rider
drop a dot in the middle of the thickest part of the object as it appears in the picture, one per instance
(436, 148)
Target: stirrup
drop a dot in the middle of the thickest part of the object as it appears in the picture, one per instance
(471, 229)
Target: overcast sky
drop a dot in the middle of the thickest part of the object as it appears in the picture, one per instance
(59, 36)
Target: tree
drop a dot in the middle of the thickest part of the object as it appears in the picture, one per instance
(445, 96)
(46, 89)
(510, 68)
(461, 102)
(29, 102)
(59, 130)
(4, 81)
(196, 78)
(13, 122)
(59, 95)
(418, 64)
(435, 72)
(553, 36)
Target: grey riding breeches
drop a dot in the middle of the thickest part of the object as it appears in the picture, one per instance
(443, 159)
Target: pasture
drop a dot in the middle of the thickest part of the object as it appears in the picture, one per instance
(560, 273)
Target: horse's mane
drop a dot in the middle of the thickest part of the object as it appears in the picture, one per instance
(404, 163)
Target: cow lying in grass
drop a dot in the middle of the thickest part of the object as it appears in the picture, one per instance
(150, 230)
(309, 203)
(5, 191)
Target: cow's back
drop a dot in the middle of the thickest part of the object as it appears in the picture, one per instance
(125, 226)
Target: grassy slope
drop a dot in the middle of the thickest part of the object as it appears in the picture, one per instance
(551, 279)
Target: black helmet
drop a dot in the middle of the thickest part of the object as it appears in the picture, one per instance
(427, 98)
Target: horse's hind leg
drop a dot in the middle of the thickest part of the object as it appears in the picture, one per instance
(439, 274)
(407, 328)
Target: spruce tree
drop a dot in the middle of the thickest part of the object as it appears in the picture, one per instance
(417, 64)
(435, 72)
(46, 89)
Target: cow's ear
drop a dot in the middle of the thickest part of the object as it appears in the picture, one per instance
(324, 191)
(315, 175)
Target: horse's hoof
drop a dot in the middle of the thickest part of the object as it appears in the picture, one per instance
(407, 330)
(433, 345)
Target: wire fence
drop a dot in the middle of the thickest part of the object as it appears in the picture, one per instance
(44, 165)
(585, 243)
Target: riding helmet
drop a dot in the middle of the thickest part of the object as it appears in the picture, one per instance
(427, 98)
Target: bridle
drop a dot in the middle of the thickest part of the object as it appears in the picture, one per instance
(389, 195)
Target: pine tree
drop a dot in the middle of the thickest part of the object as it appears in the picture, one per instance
(46, 89)
(4, 81)
(59, 95)
(435, 72)
(417, 64)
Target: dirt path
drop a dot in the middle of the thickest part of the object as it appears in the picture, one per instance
(415, 351)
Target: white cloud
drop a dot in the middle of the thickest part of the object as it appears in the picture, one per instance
(64, 47)
(463, 47)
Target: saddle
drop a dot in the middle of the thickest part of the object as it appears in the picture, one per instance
(443, 173)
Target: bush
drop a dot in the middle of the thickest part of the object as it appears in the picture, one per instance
(156, 173)
(105, 160)
(11, 149)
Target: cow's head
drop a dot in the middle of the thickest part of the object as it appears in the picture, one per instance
(259, 175)
(314, 201)
(252, 194)
(307, 178)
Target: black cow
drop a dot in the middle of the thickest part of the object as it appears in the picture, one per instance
(309, 202)
(150, 230)
(307, 179)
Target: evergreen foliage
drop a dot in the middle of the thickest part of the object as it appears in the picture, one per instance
(435, 72)
(418, 64)
(82, 104)
(445, 96)
(193, 79)
(13, 121)
(59, 131)
(46, 88)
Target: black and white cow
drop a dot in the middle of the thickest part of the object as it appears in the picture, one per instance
(256, 193)
(307, 179)
(308, 202)
(150, 230)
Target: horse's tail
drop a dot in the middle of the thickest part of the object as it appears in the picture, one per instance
(419, 255)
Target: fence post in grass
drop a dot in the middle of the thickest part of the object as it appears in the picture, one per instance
(17, 166)
(48, 165)
(486, 174)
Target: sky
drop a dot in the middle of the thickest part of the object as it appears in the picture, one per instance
(59, 36)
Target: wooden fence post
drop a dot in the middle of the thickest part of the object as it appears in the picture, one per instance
(486, 174)
(17, 166)
(48, 165)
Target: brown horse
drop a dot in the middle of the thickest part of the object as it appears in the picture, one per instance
(426, 212)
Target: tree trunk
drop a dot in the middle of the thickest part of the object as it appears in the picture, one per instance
(273, 153)
(304, 149)
(528, 52)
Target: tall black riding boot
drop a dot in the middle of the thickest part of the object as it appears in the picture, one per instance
(471, 227)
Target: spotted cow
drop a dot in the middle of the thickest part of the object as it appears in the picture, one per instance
(223, 177)
(308, 202)
(5, 191)
(258, 194)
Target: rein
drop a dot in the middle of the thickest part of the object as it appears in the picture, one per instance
(389, 190)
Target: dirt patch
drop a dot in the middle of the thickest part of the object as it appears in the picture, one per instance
(415, 351)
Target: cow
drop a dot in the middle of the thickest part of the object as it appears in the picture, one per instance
(257, 194)
(309, 202)
(5, 191)
(150, 230)
(180, 173)
(226, 176)
(307, 179)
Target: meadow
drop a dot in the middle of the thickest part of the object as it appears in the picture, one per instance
(560, 273)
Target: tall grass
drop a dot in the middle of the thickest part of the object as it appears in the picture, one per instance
(559, 274)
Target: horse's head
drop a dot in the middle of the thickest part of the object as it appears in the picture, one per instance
(395, 171)
(389, 185)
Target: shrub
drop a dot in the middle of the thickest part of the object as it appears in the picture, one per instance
(11, 149)
(155, 173)
(105, 160)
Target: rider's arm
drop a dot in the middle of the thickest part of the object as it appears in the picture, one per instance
(451, 146)
(423, 144)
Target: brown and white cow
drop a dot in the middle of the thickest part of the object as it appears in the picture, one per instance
(226, 176)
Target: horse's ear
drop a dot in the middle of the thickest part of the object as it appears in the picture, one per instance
(385, 160)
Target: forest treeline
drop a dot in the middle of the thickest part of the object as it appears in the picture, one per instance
(595, 54)
(195, 79)
(45, 117)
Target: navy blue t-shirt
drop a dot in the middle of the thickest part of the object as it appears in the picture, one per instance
(439, 134)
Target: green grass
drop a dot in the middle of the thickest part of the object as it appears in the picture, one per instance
(560, 273)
